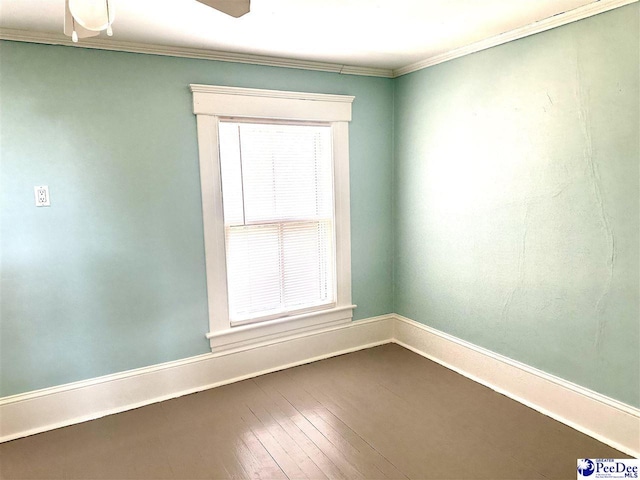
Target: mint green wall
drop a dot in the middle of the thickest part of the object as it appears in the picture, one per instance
(516, 200)
(510, 215)
(111, 276)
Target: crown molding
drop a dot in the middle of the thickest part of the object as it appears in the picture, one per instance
(580, 13)
(198, 53)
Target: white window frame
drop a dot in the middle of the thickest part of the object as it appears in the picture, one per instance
(209, 104)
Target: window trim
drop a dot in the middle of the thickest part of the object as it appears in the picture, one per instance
(209, 104)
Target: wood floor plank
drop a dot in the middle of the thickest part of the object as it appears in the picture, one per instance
(337, 457)
(370, 420)
(418, 426)
(336, 428)
(331, 461)
(288, 464)
(16, 459)
(262, 409)
(268, 466)
(369, 462)
(326, 466)
(506, 425)
(234, 405)
(244, 451)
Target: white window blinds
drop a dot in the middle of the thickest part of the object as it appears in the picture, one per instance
(277, 189)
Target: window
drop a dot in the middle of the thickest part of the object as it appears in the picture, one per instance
(275, 195)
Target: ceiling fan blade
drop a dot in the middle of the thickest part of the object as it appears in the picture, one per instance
(235, 8)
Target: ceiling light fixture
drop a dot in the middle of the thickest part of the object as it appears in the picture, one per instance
(87, 18)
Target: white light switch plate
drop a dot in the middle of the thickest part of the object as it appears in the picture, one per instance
(42, 196)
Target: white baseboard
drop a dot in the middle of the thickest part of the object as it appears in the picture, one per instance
(34, 412)
(603, 418)
(596, 415)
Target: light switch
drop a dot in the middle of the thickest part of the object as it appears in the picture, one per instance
(42, 196)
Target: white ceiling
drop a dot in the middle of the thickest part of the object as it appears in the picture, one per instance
(370, 33)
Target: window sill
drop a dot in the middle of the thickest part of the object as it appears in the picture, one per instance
(247, 336)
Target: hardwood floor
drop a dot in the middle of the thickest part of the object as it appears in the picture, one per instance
(379, 413)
